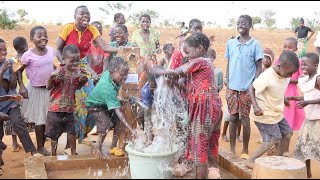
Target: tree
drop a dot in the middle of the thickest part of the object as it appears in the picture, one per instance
(209, 23)
(6, 20)
(268, 15)
(232, 22)
(294, 22)
(22, 13)
(135, 17)
(312, 23)
(112, 7)
(256, 20)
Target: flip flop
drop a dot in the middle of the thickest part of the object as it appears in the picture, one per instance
(119, 153)
(244, 156)
(214, 173)
(113, 150)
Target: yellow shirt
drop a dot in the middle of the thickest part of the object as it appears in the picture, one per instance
(270, 89)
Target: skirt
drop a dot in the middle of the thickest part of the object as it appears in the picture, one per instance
(35, 109)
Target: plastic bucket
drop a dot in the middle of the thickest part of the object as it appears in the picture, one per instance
(150, 165)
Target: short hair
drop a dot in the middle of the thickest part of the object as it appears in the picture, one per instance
(166, 47)
(145, 15)
(193, 21)
(116, 16)
(248, 18)
(82, 6)
(294, 40)
(313, 57)
(196, 39)
(212, 52)
(33, 30)
(289, 58)
(301, 20)
(72, 49)
(96, 22)
(117, 63)
(2, 41)
(123, 27)
(18, 41)
(270, 53)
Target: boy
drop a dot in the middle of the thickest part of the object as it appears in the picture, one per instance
(104, 104)
(168, 50)
(267, 95)
(118, 19)
(63, 84)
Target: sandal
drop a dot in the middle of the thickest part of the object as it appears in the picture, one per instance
(113, 150)
(119, 153)
(181, 169)
(214, 173)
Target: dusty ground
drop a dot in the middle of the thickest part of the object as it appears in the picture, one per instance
(273, 39)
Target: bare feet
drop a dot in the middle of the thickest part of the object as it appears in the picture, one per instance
(100, 155)
(239, 138)
(44, 152)
(272, 151)
(309, 175)
(181, 169)
(225, 138)
(249, 164)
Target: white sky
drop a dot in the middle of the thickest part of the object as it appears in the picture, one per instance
(214, 11)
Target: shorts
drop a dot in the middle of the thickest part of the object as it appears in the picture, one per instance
(58, 123)
(238, 102)
(105, 119)
(274, 132)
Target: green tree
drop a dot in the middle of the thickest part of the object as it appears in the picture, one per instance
(22, 14)
(113, 8)
(6, 20)
(268, 15)
(232, 22)
(256, 20)
(294, 22)
(135, 17)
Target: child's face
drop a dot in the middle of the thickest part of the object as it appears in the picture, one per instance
(266, 61)
(145, 23)
(121, 20)
(82, 17)
(40, 38)
(192, 52)
(99, 27)
(289, 46)
(3, 51)
(196, 28)
(119, 35)
(287, 71)
(307, 66)
(72, 61)
(243, 26)
(120, 75)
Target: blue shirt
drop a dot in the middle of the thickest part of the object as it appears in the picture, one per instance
(5, 106)
(242, 59)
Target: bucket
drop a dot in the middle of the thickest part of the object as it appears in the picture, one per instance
(150, 165)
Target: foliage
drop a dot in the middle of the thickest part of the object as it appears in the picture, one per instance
(268, 15)
(135, 17)
(22, 14)
(232, 22)
(6, 20)
(294, 22)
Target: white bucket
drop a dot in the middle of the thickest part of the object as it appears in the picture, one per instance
(150, 165)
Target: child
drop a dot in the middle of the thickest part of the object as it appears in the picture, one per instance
(267, 96)
(168, 50)
(204, 106)
(307, 146)
(3, 118)
(103, 102)
(8, 84)
(118, 19)
(63, 83)
(21, 46)
(244, 55)
(38, 63)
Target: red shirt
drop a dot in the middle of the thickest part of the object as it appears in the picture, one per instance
(97, 57)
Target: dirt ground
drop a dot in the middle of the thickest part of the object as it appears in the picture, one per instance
(14, 168)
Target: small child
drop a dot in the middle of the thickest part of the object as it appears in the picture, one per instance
(168, 50)
(118, 19)
(267, 94)
(268, 59)
(307, 145)
(104, 104)
(63, 83)
(38, 63)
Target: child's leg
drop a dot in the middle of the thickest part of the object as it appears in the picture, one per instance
(41, 139)
(54, 145)
(308, 164)
(233, 124)
(15, 145)
(53, 129)
(286, 133)
(72, 143)
(244, 110)
(246, 134)
(239, 138)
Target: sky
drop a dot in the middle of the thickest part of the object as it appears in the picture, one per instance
(214, 11)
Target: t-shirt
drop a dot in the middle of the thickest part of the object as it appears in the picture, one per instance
(38, 68)
(242, 62)
(71, 35)
(97, 57)
(105, 93)
(270, 89)
(5, 106)
(115, 44)
(146, 48)
(302, 31)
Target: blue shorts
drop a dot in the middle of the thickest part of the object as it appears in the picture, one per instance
(273, 132)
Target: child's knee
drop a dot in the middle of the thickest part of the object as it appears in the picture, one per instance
(288, 135)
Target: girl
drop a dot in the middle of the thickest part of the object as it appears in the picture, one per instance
(38, 63)
(307, 146)
(204, 105)
(118, 19)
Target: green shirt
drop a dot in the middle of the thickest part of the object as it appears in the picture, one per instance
(104, 93)
(115, 44)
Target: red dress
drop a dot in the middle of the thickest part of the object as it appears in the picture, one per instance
(204, 111)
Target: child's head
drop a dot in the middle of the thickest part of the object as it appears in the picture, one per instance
(119, 18)
(20, 44)
(168, 49)
(82, 16)
(120, 33)
(268, 58)
(145, 21)
(71, 56)
(195, 26)
(288, 64)
(118, 68)
(290, 44)
(98, 25)
(39, 36)
(196, 45)
(211, 53)
(3, 50)
(309, 63)
(244, 24)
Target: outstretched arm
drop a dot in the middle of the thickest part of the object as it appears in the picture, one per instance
(60, 45)
(103, 45)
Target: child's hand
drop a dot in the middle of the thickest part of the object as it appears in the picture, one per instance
(286, 102)
(5, 66)
(301, 104)
(24, 92)
(258, 111)
(16, 97)
(4, 117)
